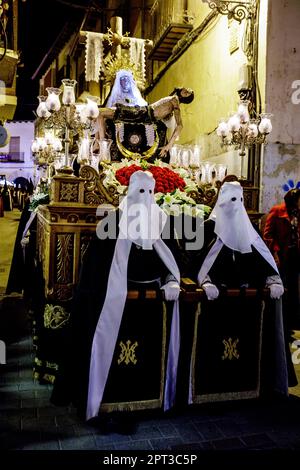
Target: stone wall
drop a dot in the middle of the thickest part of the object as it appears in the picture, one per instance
(282, 155)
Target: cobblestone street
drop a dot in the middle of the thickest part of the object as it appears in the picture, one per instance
(29, 421)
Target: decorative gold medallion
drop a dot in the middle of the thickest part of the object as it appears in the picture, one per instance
(127, 353)
(134, 155)
(230, 349)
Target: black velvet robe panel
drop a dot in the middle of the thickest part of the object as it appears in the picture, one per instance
(143, 322)
(234, 337)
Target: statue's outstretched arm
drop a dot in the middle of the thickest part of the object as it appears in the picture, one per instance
(178, 127)
(105, 113)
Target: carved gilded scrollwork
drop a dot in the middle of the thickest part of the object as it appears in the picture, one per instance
(68, 192)
(63, 292)
(206, 194)
(85, 239)
(72, 218)
(55, 316)
(95, 192)
(43, 246)
(64, 257)
(54, 217)
(90, 219)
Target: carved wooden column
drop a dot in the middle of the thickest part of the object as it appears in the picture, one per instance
(64, 230)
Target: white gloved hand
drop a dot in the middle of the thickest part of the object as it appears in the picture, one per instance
(171, 290)
(211, 291)
(276, 291)
(24, 242)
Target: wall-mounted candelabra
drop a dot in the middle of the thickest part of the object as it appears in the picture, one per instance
(46, 149)
(242, 132)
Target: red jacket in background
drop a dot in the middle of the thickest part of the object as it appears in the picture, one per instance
(278, 232)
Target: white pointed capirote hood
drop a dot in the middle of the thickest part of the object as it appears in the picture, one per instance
(233, 228)
(142, 221)
(232, 223)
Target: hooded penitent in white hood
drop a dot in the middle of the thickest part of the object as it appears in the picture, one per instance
(142, 220)
(233, 228)
(232, 224)
(138, 209)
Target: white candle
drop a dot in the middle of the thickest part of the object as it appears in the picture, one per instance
(244, 117)
(48, 138)
(92, 110)
(265, 126)
(68, 96)
(52, 102)
(42, 110)
(57, 145)
(243, 113)
(185, 159)
(173, 155)
(34, 146)
(222, 130)
(84, 149)
(195, 157)
(234, 124)
(41, 144)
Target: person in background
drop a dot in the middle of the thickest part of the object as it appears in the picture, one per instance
(282, 235)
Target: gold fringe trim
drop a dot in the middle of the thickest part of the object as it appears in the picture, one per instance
(131, 406)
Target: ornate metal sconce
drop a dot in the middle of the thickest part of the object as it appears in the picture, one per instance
(242, 132)
(46, 149)
(67, 118)
(237, 10)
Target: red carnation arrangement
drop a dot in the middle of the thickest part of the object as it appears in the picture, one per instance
(166, 180)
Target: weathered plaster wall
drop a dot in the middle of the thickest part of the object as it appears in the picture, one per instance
(262, 50)
(282, 155)
(281, 162)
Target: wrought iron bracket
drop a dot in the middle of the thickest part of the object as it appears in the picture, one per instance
(236, 10)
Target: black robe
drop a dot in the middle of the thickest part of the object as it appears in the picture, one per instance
(142, 321)
(234, 338)
(18, 276)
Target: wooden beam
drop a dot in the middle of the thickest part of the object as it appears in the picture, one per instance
(195, 294)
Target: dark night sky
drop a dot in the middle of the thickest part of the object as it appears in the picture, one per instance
(40, 21)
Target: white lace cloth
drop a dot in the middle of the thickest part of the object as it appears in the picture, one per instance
(137, 54)
(93, 56)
